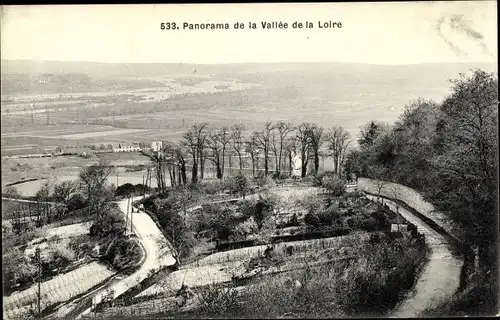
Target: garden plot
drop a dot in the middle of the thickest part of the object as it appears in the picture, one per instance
(61, 235)
(58, 289)
(68, 231)
(195, 277)
(279, 249)
(224, 266)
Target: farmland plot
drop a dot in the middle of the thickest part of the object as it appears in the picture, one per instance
(58, 289)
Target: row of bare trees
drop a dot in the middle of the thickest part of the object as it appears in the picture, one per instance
(281, 141)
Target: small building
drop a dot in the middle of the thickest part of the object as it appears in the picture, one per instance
(156, 145)
(399, 224)
(296, 164)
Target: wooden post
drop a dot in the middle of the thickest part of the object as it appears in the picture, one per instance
(143, 188)
(131, 214)
(126, 215)
(39, 278)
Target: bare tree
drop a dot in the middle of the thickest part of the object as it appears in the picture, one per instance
(168, 150)
(202, 132)
(63, 192)
(180, 158)
(284, 129)
(237, 141)
(397, 193)
(42, 197)
(195, 142)
(160, 164)
(378, 173)
(189, 143)
(304, 140)
(251, 146)
(338, 141)
(316, 142)
(263, 139)
(98, 194)
(215, 154)
(224, 138)
(274, 144)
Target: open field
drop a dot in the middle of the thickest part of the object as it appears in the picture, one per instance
(124, 158)
(30, 188)
(43, 168)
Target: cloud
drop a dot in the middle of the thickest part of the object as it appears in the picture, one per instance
(439, 24)
(462, 26)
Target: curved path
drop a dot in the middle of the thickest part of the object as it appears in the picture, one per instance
(440, 277)
(157, 256)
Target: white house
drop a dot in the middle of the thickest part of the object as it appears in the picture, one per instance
(127, 148)
(296, 165)
(156, 145)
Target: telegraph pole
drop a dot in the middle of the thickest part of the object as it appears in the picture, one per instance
(39, 278)
(143, 187)
(126, 216)
(131, 213)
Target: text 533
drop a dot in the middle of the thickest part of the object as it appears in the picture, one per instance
(169, 26)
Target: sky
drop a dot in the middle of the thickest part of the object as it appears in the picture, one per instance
(376, 33)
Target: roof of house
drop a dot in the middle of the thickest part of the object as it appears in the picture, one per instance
(125, 145)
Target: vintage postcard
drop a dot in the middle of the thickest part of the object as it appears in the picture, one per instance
(305, 160)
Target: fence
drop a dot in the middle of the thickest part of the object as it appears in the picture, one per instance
(413, 199)
(278, 249)
(150, 307)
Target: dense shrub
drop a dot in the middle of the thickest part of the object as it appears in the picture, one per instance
(263, 181)
(263, 208)
(310, 202)
(111, 222)
(76, 202)
(239, 184)
(213, 187)
(333, 185)
(121, 252)
(370, 224)
(323, 217)
(216, 300)
(312, 219)
(130, 189)
(180, 235)
(17, 269)
(58, 256)
(247, 208)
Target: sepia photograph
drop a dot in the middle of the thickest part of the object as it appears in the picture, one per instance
(265, 160)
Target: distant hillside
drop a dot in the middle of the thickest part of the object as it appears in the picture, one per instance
(68, 82)
(95, 69)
